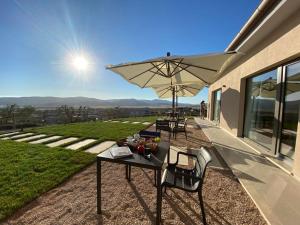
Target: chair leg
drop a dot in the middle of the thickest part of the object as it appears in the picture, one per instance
(202, 207)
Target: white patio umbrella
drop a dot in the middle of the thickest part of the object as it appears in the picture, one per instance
(180, 90)
(171, 70)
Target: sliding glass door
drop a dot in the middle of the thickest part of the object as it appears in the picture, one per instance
(291, 110)
(217, 105)
(270, 96)
(260, 108)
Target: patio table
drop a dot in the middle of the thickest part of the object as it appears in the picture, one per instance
(155, 163)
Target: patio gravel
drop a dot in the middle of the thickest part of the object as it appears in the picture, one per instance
(74, 202)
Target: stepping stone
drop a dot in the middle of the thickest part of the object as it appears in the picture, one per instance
(80, 144)
(146, 123)
(101, 147)
(18, 136)
(115, 121)
(125, 122)
(31, 137)
(61, 142)
(44, 140)
(105, 121)
(183, 160)
(9, 134)
(135, 122)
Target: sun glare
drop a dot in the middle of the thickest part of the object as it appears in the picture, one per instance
(80, 63)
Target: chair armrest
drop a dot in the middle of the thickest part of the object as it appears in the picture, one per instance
(184, 153)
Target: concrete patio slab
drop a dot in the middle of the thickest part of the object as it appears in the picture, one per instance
(40, 141)
(31, 137)
(17, 136)
(101, 147)
(61, 142)
(9, 134)
(275, 192)
(80, 144)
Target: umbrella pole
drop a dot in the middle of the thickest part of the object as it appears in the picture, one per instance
(173, 101)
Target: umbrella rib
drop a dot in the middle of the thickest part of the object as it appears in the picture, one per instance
(196, 76)
(129, 64)
(159, 69)
(149, 80)
(143, 72)
(200, 67)
(176, 66)
(163, 93)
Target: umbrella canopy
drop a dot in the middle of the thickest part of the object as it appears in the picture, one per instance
(172, 70)
(183, 90)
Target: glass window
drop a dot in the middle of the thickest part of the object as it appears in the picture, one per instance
(217, 105)
(291, 110)
(260, 107)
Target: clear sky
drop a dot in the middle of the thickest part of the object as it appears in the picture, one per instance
(38, 36)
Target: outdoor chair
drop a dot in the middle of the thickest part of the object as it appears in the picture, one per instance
(163, 125)
(149, 134)
(190, 180)
(180, 127)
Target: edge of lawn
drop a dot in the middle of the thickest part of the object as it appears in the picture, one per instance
(63, 181)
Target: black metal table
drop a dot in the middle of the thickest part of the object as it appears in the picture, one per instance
(155, 163)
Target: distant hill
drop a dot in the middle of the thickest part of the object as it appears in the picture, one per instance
(53, 102)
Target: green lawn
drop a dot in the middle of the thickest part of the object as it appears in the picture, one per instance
(27, 171)
(99, 130)
(150, 119)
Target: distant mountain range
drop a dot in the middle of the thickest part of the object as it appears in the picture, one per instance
(53, 102)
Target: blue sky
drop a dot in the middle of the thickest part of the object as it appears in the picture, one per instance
(37, 36)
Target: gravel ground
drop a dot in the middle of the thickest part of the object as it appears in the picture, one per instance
(74, 202)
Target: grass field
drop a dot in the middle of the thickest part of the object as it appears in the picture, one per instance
(26, 171)
(150, 119)
(99, 130)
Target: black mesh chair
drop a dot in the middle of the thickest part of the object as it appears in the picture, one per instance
(180, 127)
(190, 180)
(164, 125)
(149, 134)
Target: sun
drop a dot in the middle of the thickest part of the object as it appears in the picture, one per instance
(80, 63)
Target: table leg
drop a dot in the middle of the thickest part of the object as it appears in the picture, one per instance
(129, 173)
(159, 197)
(98, 186)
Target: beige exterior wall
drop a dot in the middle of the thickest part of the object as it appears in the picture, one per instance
(279, 47)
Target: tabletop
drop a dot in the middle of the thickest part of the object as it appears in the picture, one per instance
(155, 162)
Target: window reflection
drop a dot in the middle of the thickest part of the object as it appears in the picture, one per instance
(217, 105)
(260, 107)
(291, 110)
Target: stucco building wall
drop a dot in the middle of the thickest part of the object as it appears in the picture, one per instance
(279, 47)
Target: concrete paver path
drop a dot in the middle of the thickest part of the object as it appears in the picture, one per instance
(80, 144)
(61, 142)
(101, 147)
(40, 141)
(31, 137)
(9, 134)
(17, 136)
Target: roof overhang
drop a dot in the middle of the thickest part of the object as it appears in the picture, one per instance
(267, 17)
